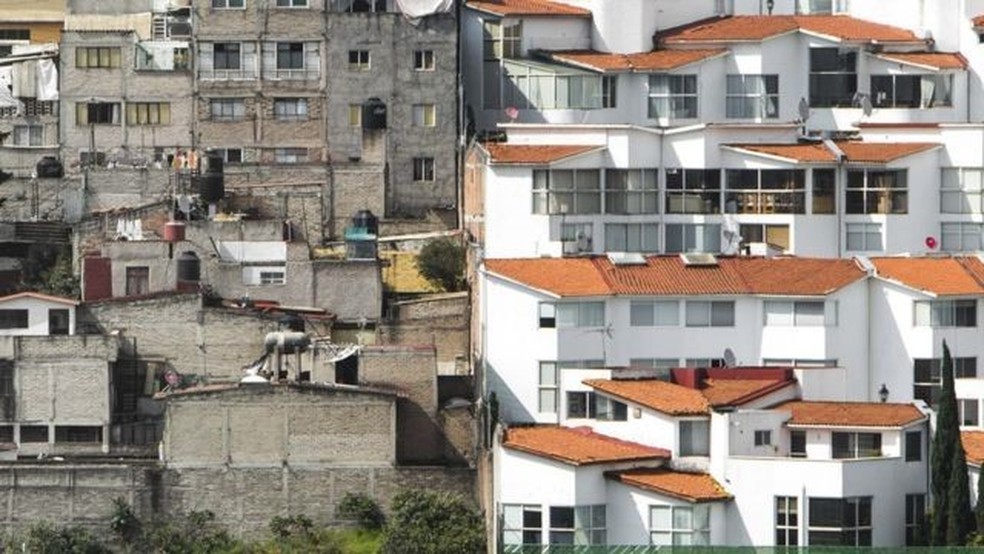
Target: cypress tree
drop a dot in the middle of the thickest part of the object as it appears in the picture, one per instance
(960, 519)
(945, 441)
(979, 509)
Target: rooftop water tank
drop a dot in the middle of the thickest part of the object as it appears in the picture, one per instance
(365, 219)
(174, 231)
(374, 114)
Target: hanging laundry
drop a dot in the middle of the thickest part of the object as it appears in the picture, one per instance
(7, 99)
(25, 79)
(47, 80)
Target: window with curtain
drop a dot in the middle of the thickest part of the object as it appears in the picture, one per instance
(864, 237)
(773, 235)
(672, 96)
(961, 190)
(693, 237)
(693, 191)
(752, 97)
(680, 525)
(824, 191)
(961, 237)
(911, 91)
(695, 438)
(765, 191)
(840, 521)
(631, 191)
(631, 237)
(833, 77)
(567, 191)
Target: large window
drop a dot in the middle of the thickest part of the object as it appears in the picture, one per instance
(424, 115)
(291, 60)
(567, 191)
(522, 524)
(787, 521)
(945, 313)
(673, 96)
(765, 191)
(913, 446)
(961, 237)
(500, 40)
(13, 319)
(97, 113)
(572, 314)
(680, 525)
(589, 405)
(290, 155)
(695, 438)
(659, 313)
(877, 191)
(137, 280)
(97, 57)
(833, 77)
(423, 170)
(911, 91)
(226, 55)
(547, 391)
(693, 191)
(927, 375)
(962, 190)
(969, 411)
(824, 191)
(631, 191)
(915, 519)
(148, 113)
(228, 109)
(693, 237)
(631, 237)
(535, 85)
(580, 525)
(799, 314)
(290, 109)
(28, 135)
(227, 60)
(752, 96)
(840, 521)
(773, 235)
(864, 237)
(855, 445)
(710, 314)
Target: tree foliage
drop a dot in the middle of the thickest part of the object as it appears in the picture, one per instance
(44, 538)
(363, 509)
(425, 522)
(442, 262)
(952, 519)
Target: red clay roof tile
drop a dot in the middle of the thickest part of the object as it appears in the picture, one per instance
(527, 7)
(692, 487)
(851, 414)
(979, 21)
(973, 444)
(662, 396)
(533, 154)
(931, 60)
(735, 392)
(577, 445)
(800, 152)
(881, 152)
(657, 60)
(939, 276)
(560, 276)
(760, 27)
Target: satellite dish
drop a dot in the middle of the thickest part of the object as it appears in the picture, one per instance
(729, 358)
(804, 109)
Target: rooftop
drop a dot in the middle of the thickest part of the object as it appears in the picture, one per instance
(755, 28)
(534, 154)
(928, 60)
(973, 444)
(950, 276)
(851, 414)
(657, 60)
(40, 296)
(853, 151)
(692, 487)
(662, 396)
(577, 445)
(527, 7)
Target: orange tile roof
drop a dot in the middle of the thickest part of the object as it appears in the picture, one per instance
(657, 60)
(532, 154)
(932, 60)
(40, 296)
(760, 27)
(979, 21)
(667, 275)
(577, 445)
(662, 396)
(692, 487)
(800, 152)
(527, 7)
(940, 276)
(973, 444)
(881, 152)
(851, 414)
(734, 392)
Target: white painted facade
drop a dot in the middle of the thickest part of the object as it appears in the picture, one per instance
(27, 314)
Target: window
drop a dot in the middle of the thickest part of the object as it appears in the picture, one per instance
(826, 7)
(290, 109)
(148, 113)
(798, 314)
(766, 191)
(693, 237)
(572, 314)
(90, 57)
(663, 365)
(631, 237)
(752, 96)
(78, 433)
(358, 60)
(913, 446)
(137, 280)
(15, 34)
(787, 521)
(290, 155)
(423, 60)
(549, 380)
(228, 109)
(915, 518)
(291, 60)
(566, 191)
(695, 438)
(710, 314)
(59, 322)
(703, 362)
(962, 190)
(609, 91)
(424, 115)
(527, 85)
(522, 524)
(969, 410)
(961, 237)
(607, 409)
(578, 525)
(833, 77)
(362, 6)
(871, 191)
(423, 169)
(799, 362)
(222, 4)
(824, 187)
(34, 433)
(577, 237)
(763, 438)
(855, 445)
(13, 319)
(911, 91)
(97, 113)
(672, 96)
(272, 277)
(290, 55)
(499, 41)
(840, 521)
(355, 115)
(797, 444)
(927, 376)
(864, 237)
(693, 191)
(659, 313)
(773, 235)
(292, 3)
(230, 155)
(226, 55)
(631, 191)
(6, 433)
(28, 135)
(945, 313)
(680, 525)
(589, 405)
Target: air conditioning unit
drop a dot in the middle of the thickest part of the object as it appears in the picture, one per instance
(579, 245)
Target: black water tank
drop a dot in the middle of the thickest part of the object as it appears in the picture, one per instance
(366, 220)
(189, 267)
(292, 322)
(374, 114)
(211, 183)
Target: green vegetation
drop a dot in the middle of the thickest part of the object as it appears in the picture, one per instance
(952, 519)
(442, 263)
(363, 510)
(424, 522)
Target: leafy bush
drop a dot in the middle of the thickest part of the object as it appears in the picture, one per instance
(195, 532)
(424, 522)
(291, 526)
(363, 509)
(442, 262)
(44, 538)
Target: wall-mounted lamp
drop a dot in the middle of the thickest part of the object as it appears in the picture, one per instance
(883, 393)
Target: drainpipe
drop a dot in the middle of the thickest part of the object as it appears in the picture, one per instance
(839, 177)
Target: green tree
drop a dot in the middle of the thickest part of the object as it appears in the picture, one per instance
(442, 262)
(44, 538)
(951, 522)
(424, 522)
(979, 509)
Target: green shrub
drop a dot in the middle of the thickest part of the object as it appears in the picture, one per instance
(442, 262)
(363, 509)
(424, 522)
